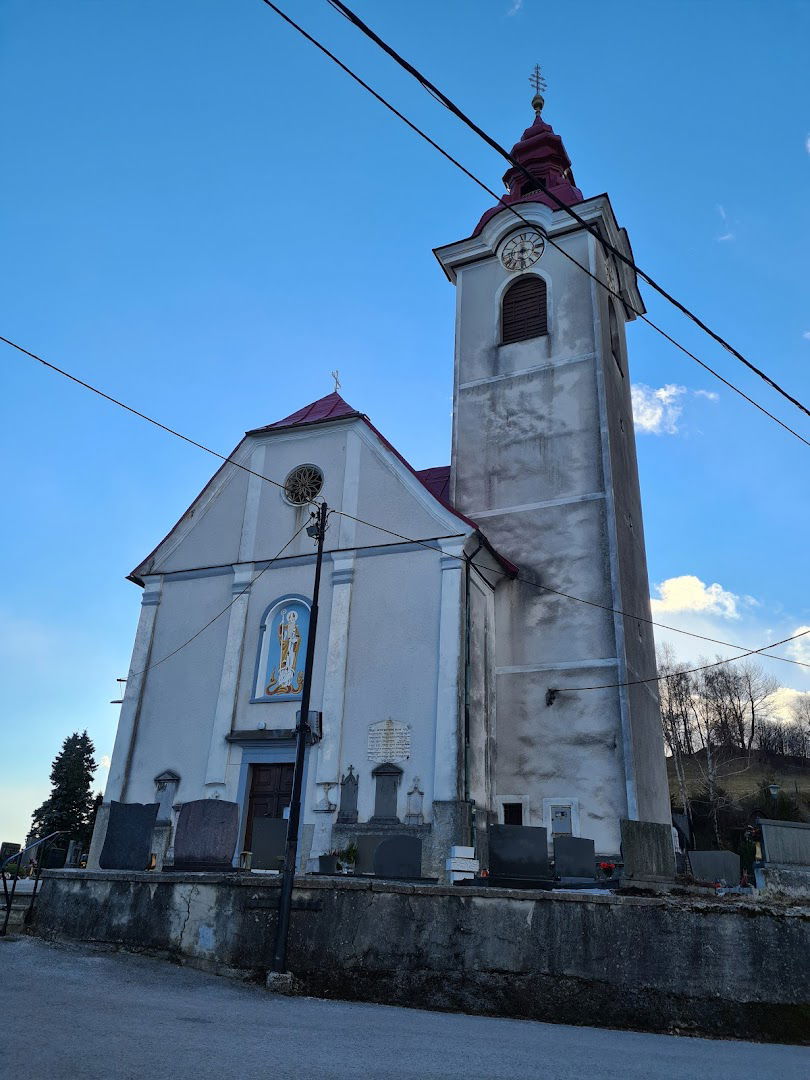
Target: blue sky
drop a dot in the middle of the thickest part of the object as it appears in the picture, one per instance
(204, 217)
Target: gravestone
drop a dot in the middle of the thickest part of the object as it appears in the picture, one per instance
(399, 857)
(347, 814)
(518, 853)
(387, 777)
(128, 839)
(366, 846)
(647, 852)
(574, 857)
(716, 866)
(7, 849)
(74, 854)
(269, 840)
(413, 805)
(205, 836)
(786, 843)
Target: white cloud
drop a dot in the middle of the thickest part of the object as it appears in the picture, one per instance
(104, 761)
(800, 649)
(727, 234)
(807, 144)
(708, 394)
(656, 410)
(806, 335)
(515, 8)
(785, 700)
(689, 593)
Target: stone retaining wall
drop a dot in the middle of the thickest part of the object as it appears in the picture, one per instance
(717, 967)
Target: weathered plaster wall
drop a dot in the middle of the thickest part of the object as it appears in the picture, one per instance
(699, 966)
(537, 462)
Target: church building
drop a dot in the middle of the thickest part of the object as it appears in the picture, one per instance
(458, 681)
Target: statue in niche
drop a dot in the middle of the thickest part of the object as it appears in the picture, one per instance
(287, 680)
(347, 814)
(413, 807)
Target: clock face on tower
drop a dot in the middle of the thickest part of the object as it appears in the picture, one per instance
(523, 250)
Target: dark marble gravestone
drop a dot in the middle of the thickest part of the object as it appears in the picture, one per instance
(128, 840)
(269, 840)
(716, 866)
(205, 837)
(366, 846)
(399, 857)
(347, 814)
(518, 854)
(387, 777)
(574, 858)
(647, 852)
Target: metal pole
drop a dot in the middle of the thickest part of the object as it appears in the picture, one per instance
(302, 730)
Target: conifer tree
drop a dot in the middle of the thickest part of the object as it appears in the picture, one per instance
(70, 806)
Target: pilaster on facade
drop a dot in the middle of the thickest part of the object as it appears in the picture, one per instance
(334, 689)
(219, 748)
(124, 747)
(448, 749)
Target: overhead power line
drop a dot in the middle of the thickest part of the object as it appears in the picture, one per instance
(219, 614)
(498, 198)
(226, 459)
(444, 100)
(685, 671)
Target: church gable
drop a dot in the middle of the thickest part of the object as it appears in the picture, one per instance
(239, 517)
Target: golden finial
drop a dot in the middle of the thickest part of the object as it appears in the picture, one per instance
(539, 83)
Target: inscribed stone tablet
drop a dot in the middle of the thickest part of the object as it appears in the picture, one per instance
(518, 851)
(716, 866)
(128, 840)
(206, 835)
(574, 857)
(399, 857)
(388, 741)
(647, 851)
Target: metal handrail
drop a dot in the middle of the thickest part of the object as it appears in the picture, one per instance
(17, 856)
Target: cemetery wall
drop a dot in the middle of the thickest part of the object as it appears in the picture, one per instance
(712, 966)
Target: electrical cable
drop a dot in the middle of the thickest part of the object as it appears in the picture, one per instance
(232, 461)
(383, 101)
(250, 584)
(686, 671)
(442, 98)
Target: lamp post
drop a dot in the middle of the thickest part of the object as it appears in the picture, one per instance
(774, 790)
(316, 530)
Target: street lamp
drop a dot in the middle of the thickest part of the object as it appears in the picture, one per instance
(774, 790)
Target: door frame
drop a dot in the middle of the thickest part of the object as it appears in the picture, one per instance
(281, 752)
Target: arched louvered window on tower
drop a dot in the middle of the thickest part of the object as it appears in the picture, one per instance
(524, 312)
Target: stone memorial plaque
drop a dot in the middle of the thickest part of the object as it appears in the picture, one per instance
(269, 840)
(388, 741)
(574, 857)
(647, 851)
(205, 837)
(518, 852)
(128, 840)
(399, 857)
(785, 842)
(716, 866)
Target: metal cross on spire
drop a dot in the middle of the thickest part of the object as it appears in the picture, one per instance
(336, 376)
(540, 86)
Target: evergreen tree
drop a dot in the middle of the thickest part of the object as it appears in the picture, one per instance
(70, 806)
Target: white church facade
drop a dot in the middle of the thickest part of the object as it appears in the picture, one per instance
(454, 673)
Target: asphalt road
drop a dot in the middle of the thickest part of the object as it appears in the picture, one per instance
(81, 1014)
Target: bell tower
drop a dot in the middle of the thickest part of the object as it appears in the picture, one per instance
(544, 460)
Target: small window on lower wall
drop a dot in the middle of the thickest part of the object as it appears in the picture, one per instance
(513, 813)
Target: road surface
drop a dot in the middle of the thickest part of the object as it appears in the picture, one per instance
(76, 1013)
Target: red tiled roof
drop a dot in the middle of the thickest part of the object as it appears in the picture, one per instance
(437, 481)
(331, 407)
